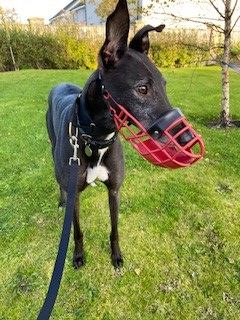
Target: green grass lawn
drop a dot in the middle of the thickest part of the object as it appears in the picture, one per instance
(180, 230)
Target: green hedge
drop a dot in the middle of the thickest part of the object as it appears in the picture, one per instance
(46, 51)
(235, 52)
(62, 50)
(31, 51)
(176, 55)
(179, 49)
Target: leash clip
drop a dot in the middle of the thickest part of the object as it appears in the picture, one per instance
(74, 143)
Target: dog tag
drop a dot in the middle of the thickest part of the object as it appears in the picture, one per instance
(88, 151)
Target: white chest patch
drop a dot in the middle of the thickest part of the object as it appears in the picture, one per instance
(99, 172)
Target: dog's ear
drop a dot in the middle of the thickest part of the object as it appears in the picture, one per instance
(117, 28)
(140, 41)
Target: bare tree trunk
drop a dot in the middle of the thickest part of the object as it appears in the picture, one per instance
(225, 120)
(12, 56)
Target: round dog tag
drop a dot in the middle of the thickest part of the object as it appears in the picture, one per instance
(88, 151)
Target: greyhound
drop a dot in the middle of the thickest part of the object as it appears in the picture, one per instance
(131, 78)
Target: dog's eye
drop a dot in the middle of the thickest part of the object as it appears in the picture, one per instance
(143, 89)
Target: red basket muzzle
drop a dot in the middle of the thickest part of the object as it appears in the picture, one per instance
(170, 142)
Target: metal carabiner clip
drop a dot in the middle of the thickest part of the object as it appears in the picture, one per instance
(74, 143)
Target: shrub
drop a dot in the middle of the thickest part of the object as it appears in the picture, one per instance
(31, 51)
(45, 51)
(179, 49)
(175, 56)
(61, 48)
(79, 53)
(235, 52)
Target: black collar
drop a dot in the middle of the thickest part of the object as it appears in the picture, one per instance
(82, 120)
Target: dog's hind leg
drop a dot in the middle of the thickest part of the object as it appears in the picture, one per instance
(78, 255)
(113, 196)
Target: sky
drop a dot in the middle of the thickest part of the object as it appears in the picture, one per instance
(48, 8)
(34, 8)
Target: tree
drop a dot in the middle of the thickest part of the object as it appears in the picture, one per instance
(224, 24)
(7, 18)
(225, 119)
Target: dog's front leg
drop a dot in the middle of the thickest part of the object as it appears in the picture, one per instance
(114, 238)
(78, 255)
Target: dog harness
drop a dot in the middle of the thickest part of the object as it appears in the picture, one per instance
(82, 120)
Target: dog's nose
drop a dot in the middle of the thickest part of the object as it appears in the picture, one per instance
(184, 138)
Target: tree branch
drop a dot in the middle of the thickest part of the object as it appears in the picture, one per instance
(234, 7)
(218, 11)
(216, 28)
(212, 25)
(234, 24)
(199, 47)
(212, 19)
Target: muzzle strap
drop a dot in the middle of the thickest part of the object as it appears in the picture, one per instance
(165, 120)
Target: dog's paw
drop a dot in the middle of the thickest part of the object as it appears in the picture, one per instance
(61, 206)
(78, 261)
(117, 261)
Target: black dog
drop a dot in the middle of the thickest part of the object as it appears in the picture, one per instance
(133, 81)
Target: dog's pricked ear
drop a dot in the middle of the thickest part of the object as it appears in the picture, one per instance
(117, 28)
(140, 41)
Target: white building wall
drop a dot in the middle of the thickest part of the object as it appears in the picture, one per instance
(92, 18)
(79, 15)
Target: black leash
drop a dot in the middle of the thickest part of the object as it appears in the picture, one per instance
(74, 163)
(54, 285)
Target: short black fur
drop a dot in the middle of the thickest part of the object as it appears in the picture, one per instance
(133, 81)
